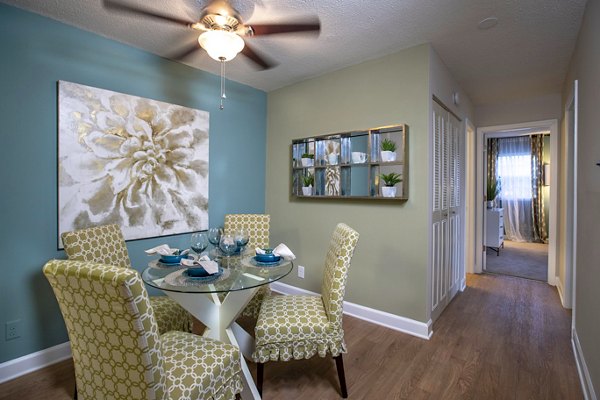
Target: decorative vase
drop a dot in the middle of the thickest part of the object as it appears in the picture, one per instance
(388, 191)
(307, 162)
(332, 158)
(307, 190)
(387, 156)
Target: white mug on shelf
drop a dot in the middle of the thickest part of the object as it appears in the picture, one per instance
(359, 157)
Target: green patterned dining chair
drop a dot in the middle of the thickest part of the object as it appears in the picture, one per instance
(257, 226)
(299, 327)
(117, 350)
(105, 245)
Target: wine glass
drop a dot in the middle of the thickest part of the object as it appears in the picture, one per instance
(228, 245)
(242, 237)
(199, 242)
(214, 236)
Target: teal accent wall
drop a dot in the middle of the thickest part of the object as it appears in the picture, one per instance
(36, 53)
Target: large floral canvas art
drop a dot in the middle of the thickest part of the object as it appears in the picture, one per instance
(135, 162)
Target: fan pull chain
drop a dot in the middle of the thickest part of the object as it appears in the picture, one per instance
(223, 96)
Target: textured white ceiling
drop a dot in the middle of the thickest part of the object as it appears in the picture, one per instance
(525, 55)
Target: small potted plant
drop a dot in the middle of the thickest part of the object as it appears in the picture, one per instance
(493, 190)
(307, 183)
(389, 181)
(388, 150)
(308, 160)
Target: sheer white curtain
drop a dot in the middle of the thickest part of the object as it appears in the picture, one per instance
(514, 172)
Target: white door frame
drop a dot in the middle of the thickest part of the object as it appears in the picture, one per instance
(511, 130)
(469, 200)
(566, 289)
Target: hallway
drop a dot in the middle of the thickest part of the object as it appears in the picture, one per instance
(525, 260)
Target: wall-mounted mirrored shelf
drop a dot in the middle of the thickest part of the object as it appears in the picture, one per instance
(352, 165)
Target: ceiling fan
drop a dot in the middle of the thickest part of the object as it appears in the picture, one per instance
(223, 34)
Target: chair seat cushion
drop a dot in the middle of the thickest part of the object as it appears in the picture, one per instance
(200, 368)
(169, 315)
(294, 327)
(253, 307)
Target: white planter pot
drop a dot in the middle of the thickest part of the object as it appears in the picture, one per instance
(388, 156)
(490, 204)
(332, 158)
(388, 191)
(307, 162)
(307, 191)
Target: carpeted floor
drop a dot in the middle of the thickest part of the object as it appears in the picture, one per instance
(526, 260)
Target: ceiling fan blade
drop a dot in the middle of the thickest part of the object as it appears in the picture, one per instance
(117, 6)
(184, 52)
(273, 29)
(259, 60)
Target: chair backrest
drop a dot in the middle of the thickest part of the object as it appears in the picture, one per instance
(258, 226)
(337, 262)
(101, 244)
(114, 337)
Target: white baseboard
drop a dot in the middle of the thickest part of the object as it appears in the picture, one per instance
(561, 293)
(23, 365)
(463, 284)
(560, 289)
(584, 374)
(410, 326)
(31, 362)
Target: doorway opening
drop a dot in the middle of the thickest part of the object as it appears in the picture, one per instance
(517, 206)
(527, 178)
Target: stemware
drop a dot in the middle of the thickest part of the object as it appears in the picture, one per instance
(199, 242)
(242, 237)
(228, 246)
(214, 236)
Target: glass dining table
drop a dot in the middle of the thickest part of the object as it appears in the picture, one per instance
(218, 300)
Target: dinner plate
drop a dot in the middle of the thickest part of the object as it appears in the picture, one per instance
(206, 278)
(169, 264)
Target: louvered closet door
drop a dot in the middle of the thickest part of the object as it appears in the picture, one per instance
(446, 216)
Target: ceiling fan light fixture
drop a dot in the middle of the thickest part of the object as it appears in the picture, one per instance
(221, 45)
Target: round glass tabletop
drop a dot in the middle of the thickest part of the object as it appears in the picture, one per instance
(235, 273)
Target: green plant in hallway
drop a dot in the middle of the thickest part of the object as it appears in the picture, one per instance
(493, 190)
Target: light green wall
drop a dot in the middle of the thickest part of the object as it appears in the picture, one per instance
(389, 269)
(585, 67)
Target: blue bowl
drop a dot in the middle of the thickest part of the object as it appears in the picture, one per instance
(171, 259)
(267, 258)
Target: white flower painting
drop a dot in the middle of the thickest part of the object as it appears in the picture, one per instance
(135, 162)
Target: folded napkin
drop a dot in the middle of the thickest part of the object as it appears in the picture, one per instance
(281, 250)
(165, 250)
(209, 266)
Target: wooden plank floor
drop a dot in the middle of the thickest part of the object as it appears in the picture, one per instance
(503, 338)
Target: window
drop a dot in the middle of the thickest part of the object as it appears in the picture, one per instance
(514, 172)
